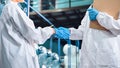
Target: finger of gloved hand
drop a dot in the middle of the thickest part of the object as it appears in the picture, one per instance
(92, 13)
(89, 9)
(58, 34)
(62, 33)
(62, 36)
(92, 10)
(56, 31)
(64, 30)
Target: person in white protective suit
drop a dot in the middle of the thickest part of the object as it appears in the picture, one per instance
(18, 37)
(100, 45)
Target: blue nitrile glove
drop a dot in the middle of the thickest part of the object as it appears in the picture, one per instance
(62, 33)
(93, 13)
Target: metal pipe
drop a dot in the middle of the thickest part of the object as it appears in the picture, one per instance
(41, 16)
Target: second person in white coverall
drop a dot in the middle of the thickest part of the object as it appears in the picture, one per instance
(100, 48)
(18, 36)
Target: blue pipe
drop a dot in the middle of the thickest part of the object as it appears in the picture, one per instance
(41, 16)
(59, 48)
(28, 4)
(69, 53)
(51, 43)
(77, 52)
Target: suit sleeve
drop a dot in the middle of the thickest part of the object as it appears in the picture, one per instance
(109, 22)
(26, 27)
(76, 34)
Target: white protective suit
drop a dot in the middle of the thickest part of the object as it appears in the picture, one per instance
(100, 49)
(17, 38)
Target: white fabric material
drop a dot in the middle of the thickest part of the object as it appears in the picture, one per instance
(109, 22)
(100, 49)
(1, 26)
(17, 38)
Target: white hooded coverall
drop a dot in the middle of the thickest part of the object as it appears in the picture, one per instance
(17, 38)
(100, 49)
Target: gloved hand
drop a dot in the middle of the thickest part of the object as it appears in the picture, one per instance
(62, 33)
(93, 13)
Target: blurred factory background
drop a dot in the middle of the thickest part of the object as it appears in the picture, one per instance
(67, 13)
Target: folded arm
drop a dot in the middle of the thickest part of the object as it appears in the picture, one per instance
(26, 28)
(109, 22)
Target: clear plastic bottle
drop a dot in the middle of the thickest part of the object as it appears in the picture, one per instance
(42, 55)
(56, 61)
(49, 59)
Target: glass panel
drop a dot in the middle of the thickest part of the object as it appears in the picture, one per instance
(48, 4)
(35, 4)
(71, 3)
(40, 5)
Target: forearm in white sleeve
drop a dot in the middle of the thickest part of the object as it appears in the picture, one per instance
(44, 34)
(26, 28)
(109, 22)
(76, 34)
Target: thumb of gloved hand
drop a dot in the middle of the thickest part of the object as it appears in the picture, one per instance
(93, 13)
